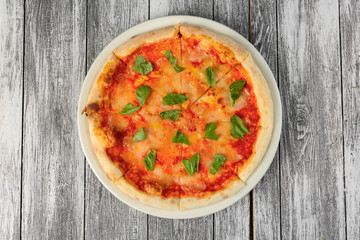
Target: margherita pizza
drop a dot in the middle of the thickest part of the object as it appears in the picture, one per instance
(180, 117)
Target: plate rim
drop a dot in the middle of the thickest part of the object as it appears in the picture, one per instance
(151, 25)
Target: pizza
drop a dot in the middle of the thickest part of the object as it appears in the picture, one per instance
(180, 117)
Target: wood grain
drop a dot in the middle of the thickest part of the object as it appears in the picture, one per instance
(106, 217)
(312, 187)
(200, 8)
(234, 222)
(266, 195)
(11, 85)
(199, 228)
(53, 167)
(350, 48)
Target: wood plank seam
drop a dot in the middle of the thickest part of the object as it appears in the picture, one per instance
(251, 198)
(342, 117)
(279, 86)
(84, 158)
(22, 123)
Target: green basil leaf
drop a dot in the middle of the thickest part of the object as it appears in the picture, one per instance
(173, 61)
(235, 90)
(172, 115)
(149, 160)
(174, 98)
(142, 66)
(210, 131)
(142, 93)
(210, 76)
(217, 163)
(238, 130)
(180, 138)
(192, 165)
(140, 135)
(129, 109)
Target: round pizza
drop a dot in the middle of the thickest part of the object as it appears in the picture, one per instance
(180, 117)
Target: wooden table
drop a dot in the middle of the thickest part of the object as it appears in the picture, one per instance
(311, 190)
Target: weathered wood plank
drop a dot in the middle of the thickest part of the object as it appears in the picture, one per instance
(266, 195)
(350, 38)
(11, 85)
(106, 217)
(199, 8)
(199, 228)
(312, 187)
(233, 222)
(53, 163)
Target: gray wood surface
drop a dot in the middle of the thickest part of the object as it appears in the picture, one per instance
(350, 58)
(11, 86)
(53, 162)
(311, 190)
(312, 187)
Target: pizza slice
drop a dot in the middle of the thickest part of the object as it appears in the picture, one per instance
(204, 179)
(153, 60)
(153, 177)
(206, 57)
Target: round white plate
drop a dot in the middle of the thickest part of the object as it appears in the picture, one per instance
(148, 26)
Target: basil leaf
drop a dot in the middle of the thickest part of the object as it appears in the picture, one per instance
(235, 90)
(149, 160)
(174, 98)
(180, 138)
(142, 93)
(172, 115)
(217, 163)
(173, 61)
(192, 165)
(140, 135)
(238, 130)
(129, 109)
(142, 66)
(210, 76)
(210, 131)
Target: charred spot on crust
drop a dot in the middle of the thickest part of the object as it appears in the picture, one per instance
(153, 188)
(91, 108)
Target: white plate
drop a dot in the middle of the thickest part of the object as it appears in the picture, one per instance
(151, 25)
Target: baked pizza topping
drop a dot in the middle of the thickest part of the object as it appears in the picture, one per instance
(142, 93)
(210, 76)
(238, 130)
(173, 61)
(139, 136)
(180, 138)
(171, 114)
(128, 109)
(174, 98)
(210, 131)
(178, 116)
(142, 66)
(149, 160)
(191, 165)
(217, 163)
(235, 90)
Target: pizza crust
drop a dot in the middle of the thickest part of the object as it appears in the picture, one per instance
(154, 201)
(240, 52)
(266, 111)
(194, 202)
(262, 92)
(137, 41)
(99, 138)
(262, 143)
